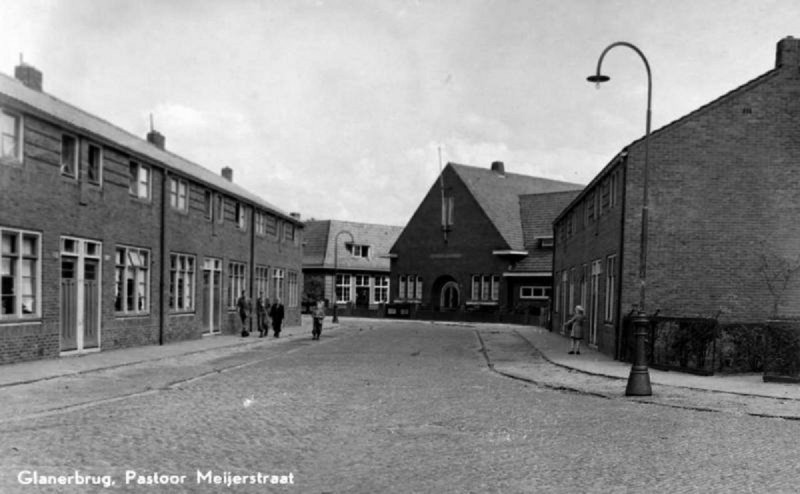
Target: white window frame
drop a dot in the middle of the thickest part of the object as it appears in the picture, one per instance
(13, 257)
(208, 205)
(98, 180)
(278, 288)
(237, 281)
(69, 164)
(401, 287)
(534, 292)
(343, 288)
(380, 294)
(178, 194)
(140, 185)
(292, 288)
(137, 261)
(261, 281)
(611, 282)
(241, 216)
(182, 276)
(15, 154)
(261, 223)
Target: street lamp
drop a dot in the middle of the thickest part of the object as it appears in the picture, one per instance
(336, 268)
(639, 379)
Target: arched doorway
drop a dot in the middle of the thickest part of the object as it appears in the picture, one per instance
(449, 298)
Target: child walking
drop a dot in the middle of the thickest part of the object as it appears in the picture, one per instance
(576, 330)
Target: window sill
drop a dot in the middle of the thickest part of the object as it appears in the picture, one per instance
(21, 321)
(130, 315)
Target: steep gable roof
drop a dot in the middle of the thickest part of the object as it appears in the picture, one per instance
(498, 195)
(50, 107)
(320, 236)
(537, 212)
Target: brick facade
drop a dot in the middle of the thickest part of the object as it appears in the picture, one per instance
(42, 200)
(722, 212)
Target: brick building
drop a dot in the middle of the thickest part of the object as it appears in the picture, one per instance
(109, 240)
(361, 270)
(479, 244)
(723, 231)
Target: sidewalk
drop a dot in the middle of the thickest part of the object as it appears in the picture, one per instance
(554, 348)
(39, 370)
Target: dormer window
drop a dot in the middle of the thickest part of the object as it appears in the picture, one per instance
(358, 250)
(546, 242)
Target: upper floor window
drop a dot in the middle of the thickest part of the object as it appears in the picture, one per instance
(178, 194)
(613, 188)
(208, 204)
(448, 205)
(261, 223)
(546, 243)
(10, 136)
(358, 250)
(139, 180)
(288, 232)
(94, 164)
(241, 216)
(20, 273)
(69, 156)
(219, 208)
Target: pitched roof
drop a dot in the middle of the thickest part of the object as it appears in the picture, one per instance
(537, 212)
(52, 108)
(498, 195)
(319, 248)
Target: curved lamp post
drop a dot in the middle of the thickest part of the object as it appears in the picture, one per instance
(336, 268)
(639, 379)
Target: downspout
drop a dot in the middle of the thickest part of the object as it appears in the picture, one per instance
(252, 264)
(623, 181)
(164, 272)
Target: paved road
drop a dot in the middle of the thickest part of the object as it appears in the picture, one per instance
(389, 407)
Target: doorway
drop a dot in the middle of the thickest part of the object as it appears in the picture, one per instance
(449, 296)
(212, 296)
(80, 294)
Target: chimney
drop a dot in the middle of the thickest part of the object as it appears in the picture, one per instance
(29, 75)
(227, 173)
(788, 52)
(156, 138)
(499, 168)
(295, 216)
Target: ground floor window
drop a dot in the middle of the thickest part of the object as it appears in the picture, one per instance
(343, 288)
(262, 282)
(534, 292)
(20, 274)
(236, 282)
(181, 282)
(132, 280)
(278, 276)
(485, 288)
(409, 287)
(381, 293)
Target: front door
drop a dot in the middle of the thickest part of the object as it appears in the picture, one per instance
(450, 296)
(212, 295)
(80, 294)
(594, 297)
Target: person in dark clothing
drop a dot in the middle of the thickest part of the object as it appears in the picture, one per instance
(262, 307)
(244, 308)
(276, 313)
(318, 313)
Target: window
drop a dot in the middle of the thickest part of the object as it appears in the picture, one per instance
(277, 283)
(20, 274)
(208, 204)
(181, 282)
(381, 293)
(409, 287)
(342, 288)
(262, 281)
(292, 288)
(271, 225)
(236, 282)
(178, 194)
(69, 156)
(261, 223)
(448, 204)
(589, 207)
(546, 243)
(534, 292)
(94, 165)
(132, 280)
(10, 136)
(241, 216)
(613, 188)
(418, 291)
(358, 250)
(401, 286)
(611, 286)
(139, 180)
(288, 232)
(485, 288)
(219, 209)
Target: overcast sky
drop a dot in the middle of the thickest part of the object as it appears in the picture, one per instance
(336, 109)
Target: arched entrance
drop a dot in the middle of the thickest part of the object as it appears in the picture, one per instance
(449, 298)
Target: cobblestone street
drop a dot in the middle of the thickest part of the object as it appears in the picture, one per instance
(375, 407)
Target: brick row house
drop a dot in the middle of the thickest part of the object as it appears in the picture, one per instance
(723, 237)
(354, 273)
(109, 240)
(479, 245)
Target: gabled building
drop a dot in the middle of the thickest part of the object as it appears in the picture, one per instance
(479, 242)
(109, 240)
(723, 232)
(350, 260)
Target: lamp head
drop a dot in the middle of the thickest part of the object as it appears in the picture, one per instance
(598, 79)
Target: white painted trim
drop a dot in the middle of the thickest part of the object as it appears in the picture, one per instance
(527, 274)
(510, 252)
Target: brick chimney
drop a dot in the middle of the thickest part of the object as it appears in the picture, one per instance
(227, 173)
(156, 138)
(295, 216)
(499, 168)
(788, 52)
(29, 75)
